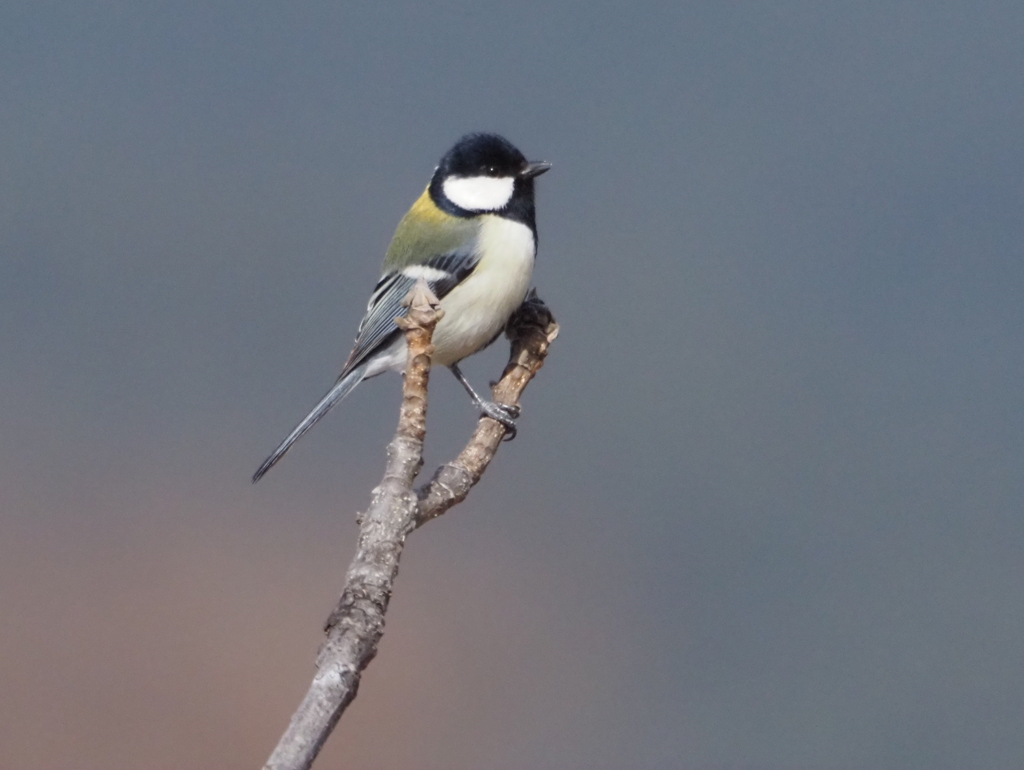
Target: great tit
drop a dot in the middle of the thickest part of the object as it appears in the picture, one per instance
(472, 235)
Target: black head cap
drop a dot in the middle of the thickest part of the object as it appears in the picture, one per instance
(482, 155)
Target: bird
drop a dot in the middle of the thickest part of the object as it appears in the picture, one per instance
(472, 236)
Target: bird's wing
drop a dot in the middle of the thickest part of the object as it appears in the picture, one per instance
(442, 273)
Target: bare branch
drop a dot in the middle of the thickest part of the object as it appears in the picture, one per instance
(356, 624)
(531, 330)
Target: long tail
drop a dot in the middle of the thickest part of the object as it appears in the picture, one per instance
(341, 389)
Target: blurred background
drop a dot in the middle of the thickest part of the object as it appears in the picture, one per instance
(765, 507)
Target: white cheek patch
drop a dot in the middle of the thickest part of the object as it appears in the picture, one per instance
(479, 193)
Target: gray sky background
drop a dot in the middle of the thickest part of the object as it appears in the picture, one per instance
(765, 509)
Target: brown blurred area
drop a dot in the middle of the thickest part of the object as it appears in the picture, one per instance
(184, 641)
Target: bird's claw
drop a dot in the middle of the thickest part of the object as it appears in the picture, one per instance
(506, 414)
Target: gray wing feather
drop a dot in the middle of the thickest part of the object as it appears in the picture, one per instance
(378, 325)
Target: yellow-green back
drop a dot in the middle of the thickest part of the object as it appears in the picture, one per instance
(426, 231)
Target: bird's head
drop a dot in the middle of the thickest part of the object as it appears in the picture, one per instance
(484, 173)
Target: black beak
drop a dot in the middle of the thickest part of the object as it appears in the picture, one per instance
(534, 168)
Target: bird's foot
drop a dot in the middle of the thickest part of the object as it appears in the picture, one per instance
(504, 413)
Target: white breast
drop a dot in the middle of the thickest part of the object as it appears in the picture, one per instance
(476, 310)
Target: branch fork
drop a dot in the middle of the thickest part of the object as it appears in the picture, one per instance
(356, 624)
